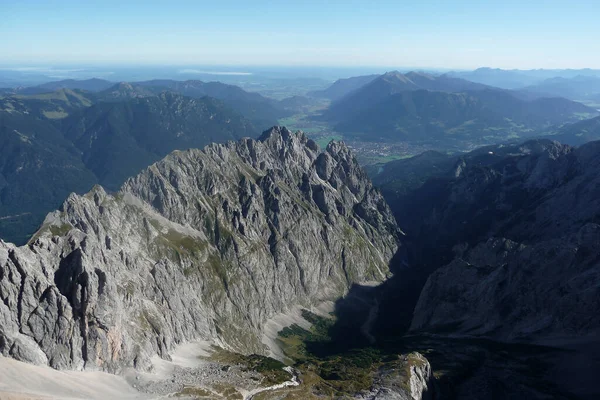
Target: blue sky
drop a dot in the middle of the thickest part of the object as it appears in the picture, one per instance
(427, 34)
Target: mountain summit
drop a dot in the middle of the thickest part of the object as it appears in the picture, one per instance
(203, 244)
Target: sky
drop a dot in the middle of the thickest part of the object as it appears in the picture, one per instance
(459, 34)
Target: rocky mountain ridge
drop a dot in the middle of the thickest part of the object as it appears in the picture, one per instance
(517, 227)
(203, 244)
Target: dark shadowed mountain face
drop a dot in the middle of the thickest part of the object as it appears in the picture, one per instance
(498, 184)
(38, 169)
(539, 203)
(541, 208)
(407, 183)
(480, 117)
(342, 87)
(501, 243)
(400, 177)
(46, 159)
(38, 166)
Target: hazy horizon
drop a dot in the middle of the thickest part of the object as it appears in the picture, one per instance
(456, 35)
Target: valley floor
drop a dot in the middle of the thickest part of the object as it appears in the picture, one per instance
(462, 366)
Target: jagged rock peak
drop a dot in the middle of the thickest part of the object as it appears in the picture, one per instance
(204, 244)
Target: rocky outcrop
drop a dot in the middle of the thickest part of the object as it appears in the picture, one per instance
(411, 379)
(537, 276)
(510, 291)
(203, 244)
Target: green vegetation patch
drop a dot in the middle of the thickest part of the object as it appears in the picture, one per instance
(195, 392)
(293, 339)
(227, 392)
(60, 230)
(271, 369)
(58, 114)
(55, 230)
(175, 245)
(334, 374)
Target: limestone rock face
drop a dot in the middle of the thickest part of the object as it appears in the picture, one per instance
(203, 244)
(411, 380)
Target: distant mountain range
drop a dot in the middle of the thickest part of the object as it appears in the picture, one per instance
(51, 105)
(342, 87)
(262, 111)
(578, 88)
(95, 131)
(68, 140)
(392, 83)
(117, 140)
(578, 133)
(91, 85)
(518, 79)
(418, 107)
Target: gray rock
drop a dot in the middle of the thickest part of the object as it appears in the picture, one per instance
(201, 245)
(410, 379)
(510, 291)
(523, 229)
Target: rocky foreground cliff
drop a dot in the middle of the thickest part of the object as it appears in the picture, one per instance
(203, 244)
(523, 228)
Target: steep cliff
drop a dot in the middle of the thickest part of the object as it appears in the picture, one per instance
(203, 244)
(509, 291)
(526, 242)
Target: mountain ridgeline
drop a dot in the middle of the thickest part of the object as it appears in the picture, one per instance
(391, 83)
(446, 112)
(262, 111)
(518, 79)
(203, 244)
(580, 87)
